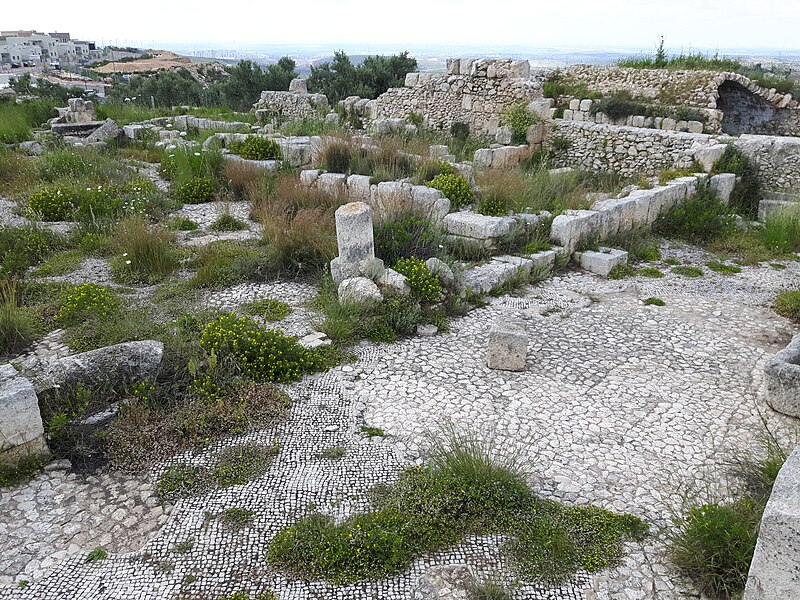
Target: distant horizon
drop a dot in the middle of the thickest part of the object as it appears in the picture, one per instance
(732, 27)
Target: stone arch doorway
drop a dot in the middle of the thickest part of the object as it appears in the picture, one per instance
(743, 111)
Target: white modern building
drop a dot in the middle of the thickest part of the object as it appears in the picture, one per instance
(31, 47)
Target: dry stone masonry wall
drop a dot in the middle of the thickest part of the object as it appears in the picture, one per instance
(732, 102)
(626, 150)
(778, 160)
(474, 92)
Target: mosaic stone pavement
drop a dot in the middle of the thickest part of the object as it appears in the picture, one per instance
(623, 405)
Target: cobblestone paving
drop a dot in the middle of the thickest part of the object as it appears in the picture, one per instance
(622, 405)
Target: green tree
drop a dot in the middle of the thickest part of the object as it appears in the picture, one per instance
(340, 78)
(167, 88)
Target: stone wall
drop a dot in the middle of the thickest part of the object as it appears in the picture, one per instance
(629, 151)
(778, 159)
(743, 106)
(289, 105)
(474, 92)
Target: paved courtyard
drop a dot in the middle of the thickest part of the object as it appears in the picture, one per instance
(626, 406)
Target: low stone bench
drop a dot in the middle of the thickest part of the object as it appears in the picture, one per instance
(782, 374)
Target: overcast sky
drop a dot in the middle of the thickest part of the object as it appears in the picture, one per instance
(706, 24)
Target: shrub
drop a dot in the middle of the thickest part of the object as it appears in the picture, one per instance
(227, 222)
(424, 284)
(54, 203)
(257, 148)
(182, 224)
(87, 300)
(454, 187)
(519, 117)
(429, 169)
(699, 219)
(17, 327)
(619, 105)
(262, 354)
(560, 143)
(714, 545)
(747, 193)
(781, 231)
(336, 156)
(147, 253)
(787, 304)
(194, 191)
(21, 247)
(403, 235)
(298, 225)
(178, 417)
(463, 490)
(654, 301)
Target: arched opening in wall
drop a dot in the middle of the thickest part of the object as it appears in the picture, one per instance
(743, 111)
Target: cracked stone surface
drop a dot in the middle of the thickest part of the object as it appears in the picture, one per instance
(622, 405)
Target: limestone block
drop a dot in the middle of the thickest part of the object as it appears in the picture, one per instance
(118, 365)
(411, 79)
(476, 226)
(109, 130)
(572, 226)
(309, 176)
(483, 158)
(341, 270)
(441, 269)
(668, 124)
(535, 134)
(541, 107)
(682, 126)
(504, 135)
(769, 206)
(358, 188)
(782, 375)
(359, 290)
(546, 259)
(575, 104)
(519, 69)
(430, 201)
(695, 126)
(507, 345)
(354, 232)
(332, 183)
(708, 155)
(568, 113)
(453, 66)
(638, 121)
(393, 282)
(602, 262)
(775, 569)
(438, 151)
(585, 105)
(21, 428)
(723, 185)
(391, 195)
(298, 86)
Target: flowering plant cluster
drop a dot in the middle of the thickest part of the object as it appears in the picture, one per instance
(257, 148)
(87, 299)
(454, 187)
(424, 284)
(195, 191)
(262, 354)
